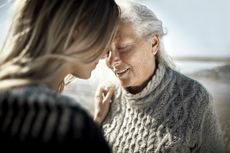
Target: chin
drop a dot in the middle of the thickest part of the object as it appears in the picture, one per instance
(124, 84)
(84, 76)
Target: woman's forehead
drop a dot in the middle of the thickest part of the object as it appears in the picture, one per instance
(126, 33)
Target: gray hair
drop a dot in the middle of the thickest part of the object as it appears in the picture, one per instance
(146, 23)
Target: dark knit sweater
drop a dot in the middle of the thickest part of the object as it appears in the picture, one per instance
(37, 117)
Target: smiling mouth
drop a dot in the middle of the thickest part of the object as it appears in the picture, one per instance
(122, 72)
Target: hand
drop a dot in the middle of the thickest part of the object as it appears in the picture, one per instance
(102, 103)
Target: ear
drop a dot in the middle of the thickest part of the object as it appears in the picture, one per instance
(155, 44)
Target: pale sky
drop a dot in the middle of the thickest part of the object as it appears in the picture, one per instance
(195, 27)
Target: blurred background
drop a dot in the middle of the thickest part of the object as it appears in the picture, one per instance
(198, 39)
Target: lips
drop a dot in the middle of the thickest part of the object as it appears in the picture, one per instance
(121, 73)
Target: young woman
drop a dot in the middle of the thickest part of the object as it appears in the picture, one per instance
(48, 40)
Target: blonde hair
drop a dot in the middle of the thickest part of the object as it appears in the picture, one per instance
(45, 33)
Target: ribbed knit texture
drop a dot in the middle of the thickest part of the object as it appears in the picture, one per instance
(35, 118)
(172, 114)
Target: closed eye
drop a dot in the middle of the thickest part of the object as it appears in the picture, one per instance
(124, 48)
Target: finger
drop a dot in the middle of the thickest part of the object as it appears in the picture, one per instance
(109, 94)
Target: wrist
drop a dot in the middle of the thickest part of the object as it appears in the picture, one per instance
(97, 118)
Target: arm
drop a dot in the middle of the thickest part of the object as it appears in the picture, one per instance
(211, 139)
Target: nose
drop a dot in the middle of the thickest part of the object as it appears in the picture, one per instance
(113, 58)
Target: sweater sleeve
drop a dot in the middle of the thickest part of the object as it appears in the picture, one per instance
(211, 139)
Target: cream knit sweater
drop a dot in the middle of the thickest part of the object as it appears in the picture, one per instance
(172, 114)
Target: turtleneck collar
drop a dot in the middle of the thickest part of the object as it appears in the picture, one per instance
(151, 86)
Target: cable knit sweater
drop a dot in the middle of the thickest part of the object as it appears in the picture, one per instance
(34, 118)
(172, 114)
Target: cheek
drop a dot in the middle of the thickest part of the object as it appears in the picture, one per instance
(143, 65)
(137, 61)
(86, 68)
(139, 68)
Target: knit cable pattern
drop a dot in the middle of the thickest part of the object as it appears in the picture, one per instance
(166, 117)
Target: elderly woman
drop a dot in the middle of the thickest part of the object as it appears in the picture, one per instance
(154, 108)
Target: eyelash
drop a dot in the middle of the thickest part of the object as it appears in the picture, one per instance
(123, 49)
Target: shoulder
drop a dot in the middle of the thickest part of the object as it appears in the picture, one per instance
(189, 94)
(49, 117)
(187, 86)
(43, 99)
(41, 94)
